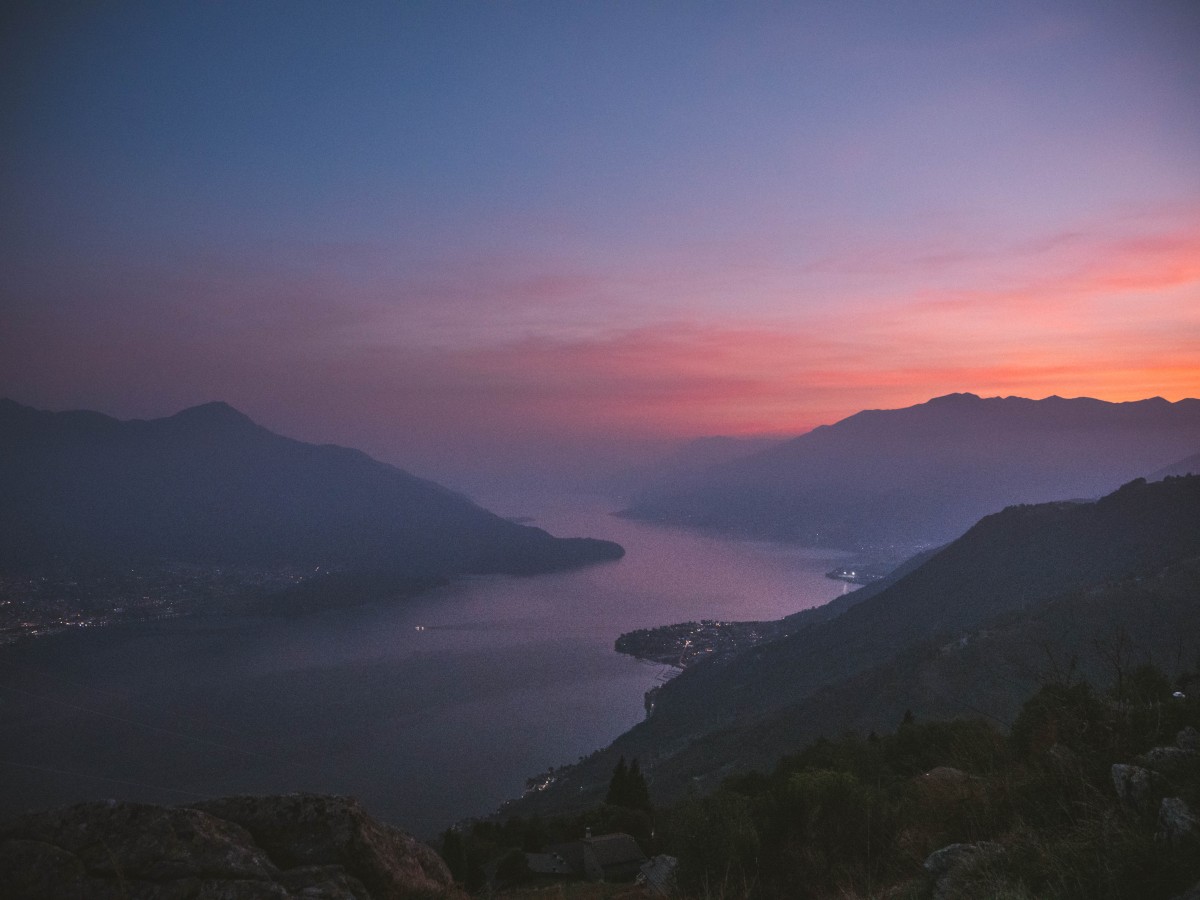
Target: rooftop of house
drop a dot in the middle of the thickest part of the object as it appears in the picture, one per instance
(548, 864)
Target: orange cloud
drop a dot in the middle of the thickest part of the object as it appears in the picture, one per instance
(1076, 269)
(676, 380)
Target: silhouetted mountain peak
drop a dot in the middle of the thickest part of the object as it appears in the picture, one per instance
(957, 398)
(217, 414)
(209, 485)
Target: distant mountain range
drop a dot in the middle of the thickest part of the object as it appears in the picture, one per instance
(924, 474)
(1189, 466)
(964, 632)
(208, 485)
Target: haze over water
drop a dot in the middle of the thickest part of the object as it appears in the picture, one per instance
(506, 677)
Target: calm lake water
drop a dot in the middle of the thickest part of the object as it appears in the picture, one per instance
(504, 678)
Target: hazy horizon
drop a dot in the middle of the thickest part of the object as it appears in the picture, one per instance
(626, 468)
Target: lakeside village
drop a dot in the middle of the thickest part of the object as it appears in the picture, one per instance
(35, 605)
(687, 643)
(676, 647)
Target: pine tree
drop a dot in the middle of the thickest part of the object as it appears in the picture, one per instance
(618, 788)
(628, 787)
(637, 795)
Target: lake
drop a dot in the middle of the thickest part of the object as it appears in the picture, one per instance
(429, 709)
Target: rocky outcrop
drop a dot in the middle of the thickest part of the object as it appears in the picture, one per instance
(1137, 787)
(299, 830)
(1145, 787)
(1176, 821)
(298, 845)
(955, 868)
(1173, 762)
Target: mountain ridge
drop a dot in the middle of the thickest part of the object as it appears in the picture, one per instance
(922, 474)
(1187, 466)
(210, 485)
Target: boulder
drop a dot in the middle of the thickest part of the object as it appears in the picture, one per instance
(315, 847)
(315, 830)
(1169, 761)
(954, 867)
(1137, 787)
(144, 842)
(1176, 822)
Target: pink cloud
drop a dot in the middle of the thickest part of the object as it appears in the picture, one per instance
(540, 397)
(511, 361)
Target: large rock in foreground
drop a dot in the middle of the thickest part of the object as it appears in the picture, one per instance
(298, 845)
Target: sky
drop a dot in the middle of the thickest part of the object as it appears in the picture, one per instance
(501, 240)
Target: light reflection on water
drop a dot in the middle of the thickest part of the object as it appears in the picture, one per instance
(428, 710)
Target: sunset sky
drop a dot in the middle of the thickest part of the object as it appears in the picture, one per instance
(517, 237)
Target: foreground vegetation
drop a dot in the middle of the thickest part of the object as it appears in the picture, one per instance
(1036, 811)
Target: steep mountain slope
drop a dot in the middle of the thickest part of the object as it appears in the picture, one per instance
(1189, 466)
(720, 716)
(923, 474)
(209, 485)
(983, 671)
